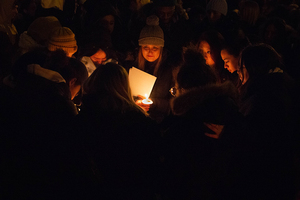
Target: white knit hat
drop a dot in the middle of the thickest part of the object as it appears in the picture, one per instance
(218, 5)
(152, 34)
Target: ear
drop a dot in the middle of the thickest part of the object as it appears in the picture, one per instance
(72, 82)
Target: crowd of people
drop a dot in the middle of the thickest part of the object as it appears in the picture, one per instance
(224, 122)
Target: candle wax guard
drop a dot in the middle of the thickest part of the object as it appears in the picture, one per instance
(147, 101)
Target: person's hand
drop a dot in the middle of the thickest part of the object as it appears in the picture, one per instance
(216, 128)
(139, 102)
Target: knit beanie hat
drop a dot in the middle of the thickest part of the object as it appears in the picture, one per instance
(63, 38)
(41, 28)
(167, 3)
(53, 4)
(152, 34)
(218, 5)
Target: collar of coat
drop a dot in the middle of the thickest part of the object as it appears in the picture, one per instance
(45, 73)
(195, 97)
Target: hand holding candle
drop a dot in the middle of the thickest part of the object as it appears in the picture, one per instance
(144, 102)
(147, 101)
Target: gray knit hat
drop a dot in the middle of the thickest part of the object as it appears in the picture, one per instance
(152, 34)
(218, 5)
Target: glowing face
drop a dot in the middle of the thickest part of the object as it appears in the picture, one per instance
(74, 89)
(109, 22)
(151, 52)
(204, 49)
(99, 57)
(231, 63)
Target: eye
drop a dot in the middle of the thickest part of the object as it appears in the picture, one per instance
(208, 52)
(155, 48)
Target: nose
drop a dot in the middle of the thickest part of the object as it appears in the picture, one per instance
(150, 51)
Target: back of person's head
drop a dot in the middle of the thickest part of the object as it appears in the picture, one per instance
(194, 72)
(249, 11)
(109, 84)
(236, 41)
(260, 59)
(68, 68)
(41, 29)
(110, 79)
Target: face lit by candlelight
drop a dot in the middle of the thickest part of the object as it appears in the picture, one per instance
(151, 52)
(204, 49)
(99, 57)
(74, 88)
(231, 63)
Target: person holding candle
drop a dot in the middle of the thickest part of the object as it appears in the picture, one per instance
(152, 59)
(118, 136)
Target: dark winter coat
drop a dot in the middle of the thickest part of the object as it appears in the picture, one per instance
(121, 147)
(160, 93)
(196, 166)
(271, 109)
(41, 151)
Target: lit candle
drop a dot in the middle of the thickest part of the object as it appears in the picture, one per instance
(147, 101)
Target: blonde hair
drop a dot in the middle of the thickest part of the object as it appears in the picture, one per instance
(110, 83)
(142, 61)
(249, 12)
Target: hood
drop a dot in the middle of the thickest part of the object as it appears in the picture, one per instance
(27, 43)
(45, 73)
(211, 100)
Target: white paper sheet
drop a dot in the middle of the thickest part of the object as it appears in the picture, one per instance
(141, 83)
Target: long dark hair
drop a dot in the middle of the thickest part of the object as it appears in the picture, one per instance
(260, 59)
(195, 72)
(216, 42)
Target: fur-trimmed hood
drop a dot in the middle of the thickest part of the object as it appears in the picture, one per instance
(213, 102)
